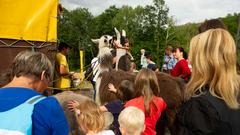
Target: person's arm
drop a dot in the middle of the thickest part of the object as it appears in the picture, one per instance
(126, 47)
(175, 71)
(49, 119)
(63, 71)
(103, 109)
(116, 45)
(185, 70)
(62, 63)
(72, 105)
(112, 88)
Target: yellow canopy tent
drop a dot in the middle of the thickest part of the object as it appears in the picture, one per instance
(33, 20)
(27, 24)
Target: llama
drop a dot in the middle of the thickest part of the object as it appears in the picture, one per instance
(104, 60)
(104, 52)
(171, 90)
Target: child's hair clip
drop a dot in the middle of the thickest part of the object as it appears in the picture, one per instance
(77, 111)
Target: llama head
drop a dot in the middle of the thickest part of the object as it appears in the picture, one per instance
(104, 41)
(104, 44)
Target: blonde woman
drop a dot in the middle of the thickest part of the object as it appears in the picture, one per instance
(213, 91)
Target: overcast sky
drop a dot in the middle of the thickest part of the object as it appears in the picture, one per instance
(182, 10)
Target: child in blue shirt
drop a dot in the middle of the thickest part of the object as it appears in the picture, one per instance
(124, 94)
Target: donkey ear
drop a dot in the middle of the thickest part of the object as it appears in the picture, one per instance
(96, 41)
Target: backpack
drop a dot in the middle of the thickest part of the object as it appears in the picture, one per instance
(89, 71)
(18, 120)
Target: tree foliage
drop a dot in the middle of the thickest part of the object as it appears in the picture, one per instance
(148, 27)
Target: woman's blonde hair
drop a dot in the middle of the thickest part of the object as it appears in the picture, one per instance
(90, 117)
(146, 85)
(213, 58)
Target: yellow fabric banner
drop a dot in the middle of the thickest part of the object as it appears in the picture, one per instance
(34, 20)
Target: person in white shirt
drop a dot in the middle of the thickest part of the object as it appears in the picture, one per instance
(143, 59)
(169, 60)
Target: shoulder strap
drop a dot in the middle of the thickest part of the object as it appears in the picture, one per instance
(93, 63)
(35, 99)
(96, 66)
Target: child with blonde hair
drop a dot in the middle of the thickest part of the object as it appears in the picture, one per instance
(147, 100)
(131, 121)
(91, 119)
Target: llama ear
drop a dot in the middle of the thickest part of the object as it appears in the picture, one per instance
(96, 41)
(124, 33)
(116, 30)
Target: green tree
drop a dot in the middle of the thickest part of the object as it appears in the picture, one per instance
(103, 23)
(73, 28)
(147, 27)
(160, 12)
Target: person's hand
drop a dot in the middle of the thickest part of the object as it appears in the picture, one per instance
(126, 47)
(70, 74)
(112, 88)
(75, 75)
(116, 45)
(103, 108)
(72, 105)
